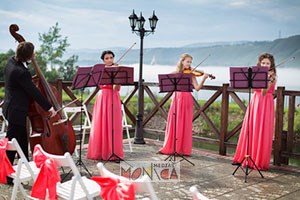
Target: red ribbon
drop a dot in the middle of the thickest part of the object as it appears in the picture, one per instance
(47, 178)
(112, 189)
(5, 166)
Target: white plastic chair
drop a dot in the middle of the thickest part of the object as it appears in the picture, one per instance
(4, 124)
(25, 170)
(126, 126)
(77, 127)
(79, 187)
(196, 194)
(141, 185)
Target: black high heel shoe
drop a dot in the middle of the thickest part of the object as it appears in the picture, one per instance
(236, 163)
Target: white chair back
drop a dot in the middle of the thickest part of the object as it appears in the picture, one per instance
(144, 185)
(4, 124)
(70, 113)
(106, 173)
(196, 194)
(126, 126)
(25, 170)
(86, 189)
(141, 185)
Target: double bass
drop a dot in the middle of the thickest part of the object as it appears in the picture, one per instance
(55, 138)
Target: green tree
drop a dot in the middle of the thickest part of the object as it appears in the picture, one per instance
(3, 60)
(50, 54)
(67, 70)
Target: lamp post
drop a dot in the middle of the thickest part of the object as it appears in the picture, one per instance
(137, 27)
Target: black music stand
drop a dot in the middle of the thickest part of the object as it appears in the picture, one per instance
(121, 76)
(247, 78)
(172, 83)
(85, 77)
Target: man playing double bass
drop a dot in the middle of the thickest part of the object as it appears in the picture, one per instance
(19, 89)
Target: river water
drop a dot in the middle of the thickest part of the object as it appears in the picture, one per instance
(287, 77)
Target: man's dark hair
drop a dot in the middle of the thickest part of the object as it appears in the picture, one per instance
(24, 51)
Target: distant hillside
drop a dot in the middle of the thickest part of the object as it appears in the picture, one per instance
(242, 53)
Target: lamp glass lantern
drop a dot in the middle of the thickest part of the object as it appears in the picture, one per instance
(133, 20)
(153, 21)
(140, 22)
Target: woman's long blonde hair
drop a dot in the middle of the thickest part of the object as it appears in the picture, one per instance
(182, 58)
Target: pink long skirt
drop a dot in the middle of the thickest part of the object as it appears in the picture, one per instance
(261, 130)
(181, 109)
(101, 137)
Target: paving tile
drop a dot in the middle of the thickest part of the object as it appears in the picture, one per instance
(212, 175)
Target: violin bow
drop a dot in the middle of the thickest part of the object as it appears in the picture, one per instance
(201, 62)
(125, 53)
(287, 60)
(63, 107)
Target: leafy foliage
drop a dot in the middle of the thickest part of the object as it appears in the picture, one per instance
(50, 55)
(3, 60)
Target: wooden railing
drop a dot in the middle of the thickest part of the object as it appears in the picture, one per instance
(284, 142)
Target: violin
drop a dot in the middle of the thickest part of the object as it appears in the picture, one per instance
(271, 76)
(197, 73)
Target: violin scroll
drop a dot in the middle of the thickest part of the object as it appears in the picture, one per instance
(211, 76)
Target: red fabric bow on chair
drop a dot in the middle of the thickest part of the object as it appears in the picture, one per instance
(5, 166)
(47, 178)
(112, 189)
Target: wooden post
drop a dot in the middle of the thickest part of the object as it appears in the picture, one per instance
(278, 125)
(290, 128)
(224, 119)
(59, 90)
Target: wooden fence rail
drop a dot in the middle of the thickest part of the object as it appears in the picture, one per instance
(284, 142)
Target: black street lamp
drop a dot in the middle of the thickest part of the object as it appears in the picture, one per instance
(137, 27)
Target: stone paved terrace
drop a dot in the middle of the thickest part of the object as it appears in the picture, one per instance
(212, 174)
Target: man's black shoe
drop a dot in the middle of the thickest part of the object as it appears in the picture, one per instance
(10, 181)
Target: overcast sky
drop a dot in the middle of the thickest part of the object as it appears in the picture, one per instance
(97, 24)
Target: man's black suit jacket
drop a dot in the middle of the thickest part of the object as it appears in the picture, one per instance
(19, 89)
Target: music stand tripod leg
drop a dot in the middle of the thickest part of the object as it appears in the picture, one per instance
(250, 79)
(112, 75)
(184, 158)
(113, 155)
(256, 166)
(172, 83)
(175, 153)
(170, 158)
(239, 165)
(79, 161)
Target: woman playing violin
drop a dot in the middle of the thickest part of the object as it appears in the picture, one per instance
(184, 114)
(260, 122)
(100, 142)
